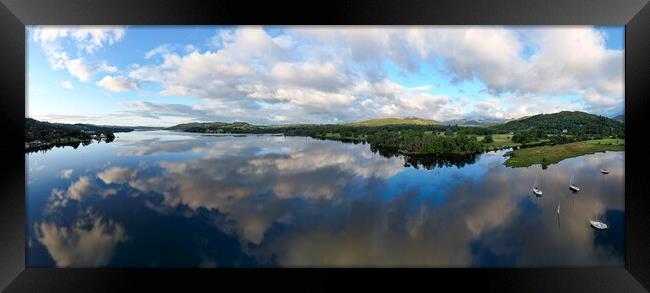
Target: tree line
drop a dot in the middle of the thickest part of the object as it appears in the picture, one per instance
(61, 133)
(558, 128)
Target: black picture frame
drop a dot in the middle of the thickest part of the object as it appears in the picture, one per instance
(16, 14)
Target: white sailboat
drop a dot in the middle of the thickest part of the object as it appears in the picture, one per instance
(558, 214)
(572, 186)
(598, 225)
(536, 190)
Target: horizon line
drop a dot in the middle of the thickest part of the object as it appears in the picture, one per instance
(441, 122)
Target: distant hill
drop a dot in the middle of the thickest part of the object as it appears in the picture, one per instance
(574, 123)
(147, 128)
(213, 127)
(45, 135)
(620, 117)
(394, 121)
(566, 122)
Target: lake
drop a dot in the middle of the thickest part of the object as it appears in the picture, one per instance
(171, 199)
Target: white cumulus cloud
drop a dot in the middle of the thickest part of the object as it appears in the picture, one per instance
(54, 40)
(118, 83)
(341, 74)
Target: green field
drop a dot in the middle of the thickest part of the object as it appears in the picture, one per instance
(394, 121)
(547, 155)
(500, 141)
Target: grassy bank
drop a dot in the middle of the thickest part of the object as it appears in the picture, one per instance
(608, 141)
(547, 155)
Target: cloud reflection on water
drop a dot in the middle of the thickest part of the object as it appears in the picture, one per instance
(89, 242)
(303, 202)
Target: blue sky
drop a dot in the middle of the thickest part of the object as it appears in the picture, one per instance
(273, 75)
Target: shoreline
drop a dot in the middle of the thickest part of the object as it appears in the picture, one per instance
(518, 156)
(553, 154)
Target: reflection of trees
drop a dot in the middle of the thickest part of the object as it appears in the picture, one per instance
(427, 162)
(75, 145)
(385, 152)
(48, 147)
(274, 196)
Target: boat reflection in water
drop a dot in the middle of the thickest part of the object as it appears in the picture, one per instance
(169, 199)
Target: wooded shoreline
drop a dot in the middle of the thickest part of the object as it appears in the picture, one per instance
(549, 138)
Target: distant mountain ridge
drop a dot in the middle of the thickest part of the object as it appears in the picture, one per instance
(394, 121)
(565, 122)
(620, 117)
(474, 122)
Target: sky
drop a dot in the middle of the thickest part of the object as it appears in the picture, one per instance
(166, 75)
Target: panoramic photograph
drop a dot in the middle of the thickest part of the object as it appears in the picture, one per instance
(325, 146)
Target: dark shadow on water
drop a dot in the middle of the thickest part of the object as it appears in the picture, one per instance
(265, 202)
(503, 246)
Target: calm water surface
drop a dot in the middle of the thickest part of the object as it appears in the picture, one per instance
(169, 199)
